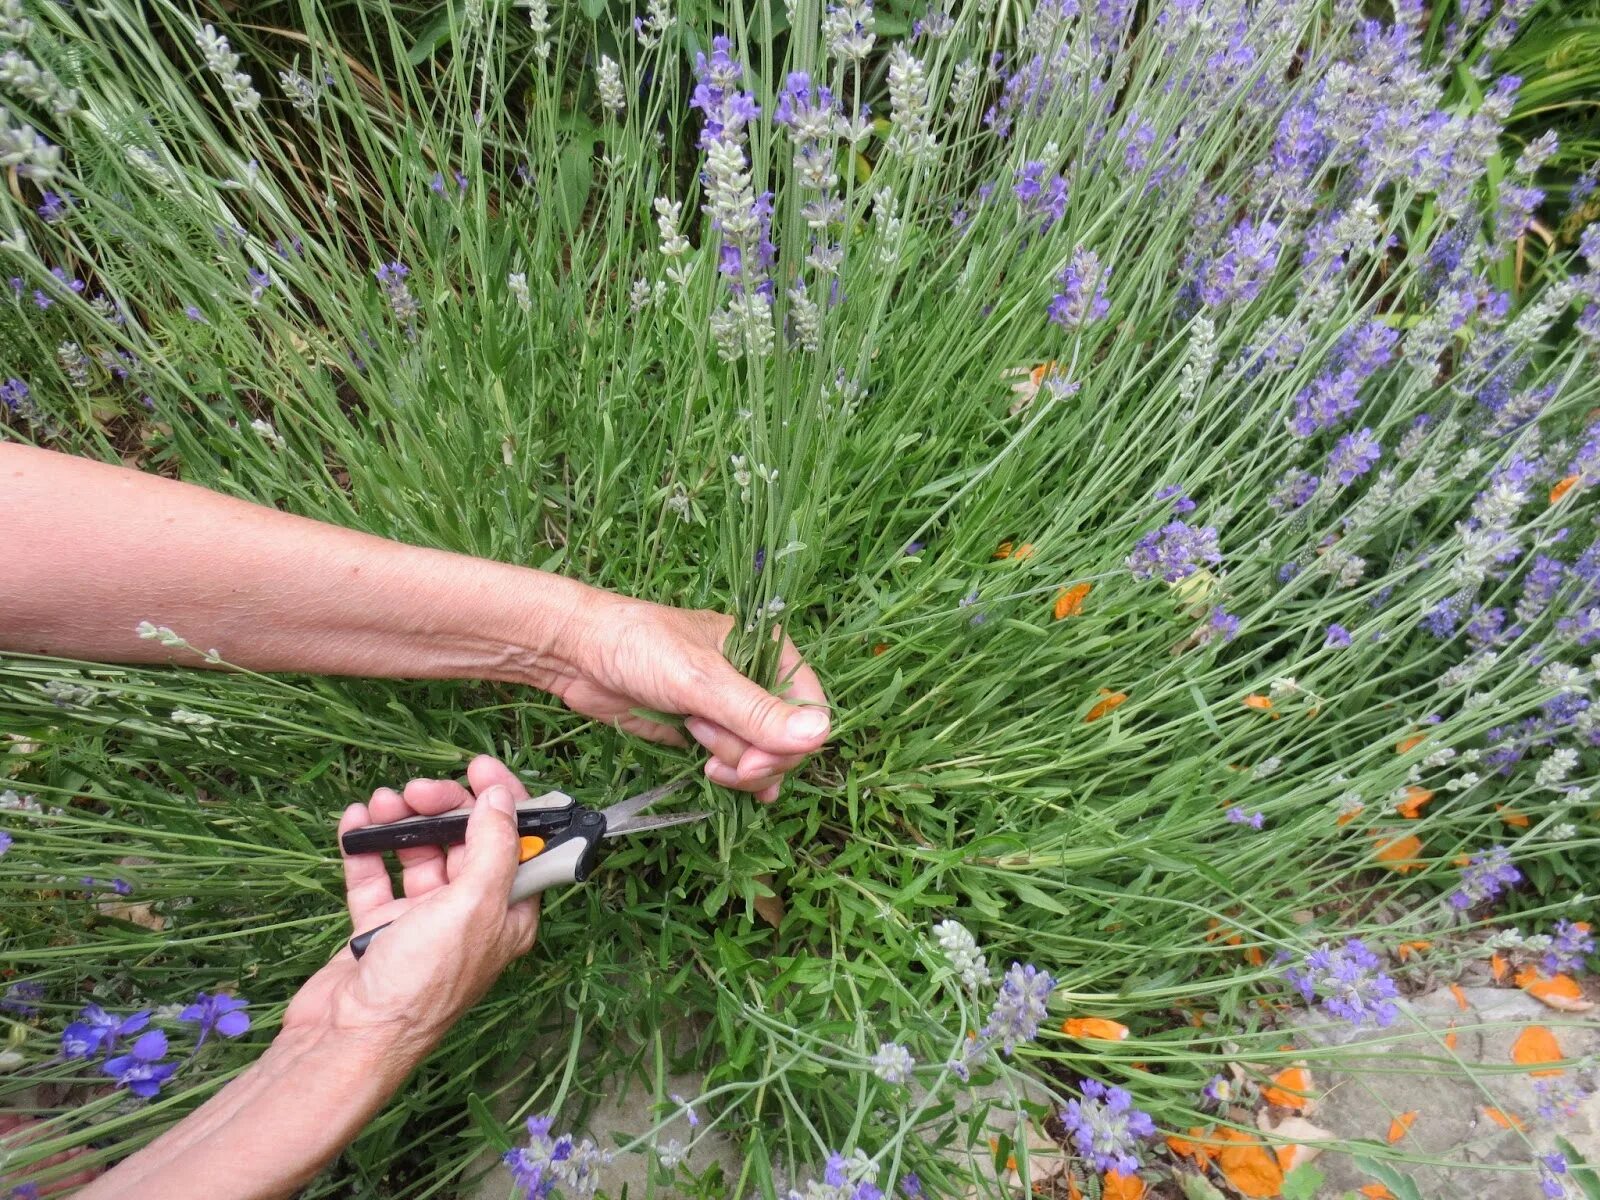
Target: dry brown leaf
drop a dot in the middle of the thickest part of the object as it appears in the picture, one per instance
(138, 914)
(769, 908)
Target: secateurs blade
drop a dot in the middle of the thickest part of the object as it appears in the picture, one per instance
(558, 839)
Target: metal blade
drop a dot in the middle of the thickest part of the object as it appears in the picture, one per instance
(641, 824)
(619, 812)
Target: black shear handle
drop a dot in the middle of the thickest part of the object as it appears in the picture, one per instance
(534, 816)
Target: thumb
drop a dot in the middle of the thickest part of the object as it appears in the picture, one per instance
(490, 858)
(759, 717)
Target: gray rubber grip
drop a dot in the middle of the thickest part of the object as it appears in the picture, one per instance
(551, 869)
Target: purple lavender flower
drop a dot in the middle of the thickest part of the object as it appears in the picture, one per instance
(1348, 983)
(1173, 552)
(1019, 1007)
(1222, 624)
(220, 1012)
(1106, 1128)
(55, 207)
(195, 315)
(96, 1031)
(547, 1163)
(259, 282)
(1353, 455)
(1248, 258)
(1487, 874)
(1294, 490)
(1337, 638)
(1041, 193)
(1571, 944)
(1082, 298)
(15, 395)
(1558, 1100)
(1237, 816)
(1181, 504)
(1441, 620)
(141, 1070)
(911, 1186)
(6, 841)
(1551, 1167)
(1218, 1090)
(391, 278)
(20, 998)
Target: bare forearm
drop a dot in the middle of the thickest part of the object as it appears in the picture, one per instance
(267, 1132)
(96, 549)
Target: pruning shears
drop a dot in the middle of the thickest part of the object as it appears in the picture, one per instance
(558, 839)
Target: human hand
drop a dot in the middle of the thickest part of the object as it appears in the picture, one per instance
(630, 654)
(452, 931)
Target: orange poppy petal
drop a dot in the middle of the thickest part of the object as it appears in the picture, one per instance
(1536, 1044)
(1003, 550)
(1498, 966)
(1345, 818)
(1401, 1126)
(1112, 700)
(1461, 997)
(880, 648)
(1410, 743)
(1518, 820)
(1264, 703)
(1400, 854)
(1505, 1120)
(1099, 1028)
(1450, 1040)
(1291, 1088)
(1070, 602)
(1562, 488)
(1416, 799)
(1559, 992)
(1023, 551)
(1405, 950)
(1249, 1167)
(1117, 1186)
(1375, 1191)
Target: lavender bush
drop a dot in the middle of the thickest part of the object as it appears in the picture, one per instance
(1162, 425)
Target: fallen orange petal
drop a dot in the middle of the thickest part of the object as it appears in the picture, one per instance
(1505, 1120)
(1291, 1088)
(1401, 1126)
(1400, 854)
(1536, 1044)
(1405, 950)
(1416, 798)
(1560, 991)
(1003, 551)
(1512, 817)
(1562, 488)
(1023, 551)
(1375, 1191)
(1498, 966)
(1117, 1186)
(1100, 1028)
(1070, 602)
(1111, 701)
(880, 648)
(1074, 1192)
(1450, 1039)
(1410, 743)
(1264, 703)
(1461, 997)
(1346, 817)
(1248, 1166)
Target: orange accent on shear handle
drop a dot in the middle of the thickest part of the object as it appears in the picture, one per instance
(529, 847)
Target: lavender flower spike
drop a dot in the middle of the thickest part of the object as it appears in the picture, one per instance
(1348, 983)
(1487, 874)
(1019, 1007)
(1106, 1128)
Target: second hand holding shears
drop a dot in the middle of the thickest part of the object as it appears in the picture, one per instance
(558, 839)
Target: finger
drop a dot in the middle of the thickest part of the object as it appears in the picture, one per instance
(651, 731)
(521, 927)
(484, 773)
(719, 772)
(767, 795)
(366, 880)
(421, 867)
(490, 857)
(434, 796)
(755, 714)
(755, 763)
(803, 686)
(722, 744)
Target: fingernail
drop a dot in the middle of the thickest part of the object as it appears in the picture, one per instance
(720, 772)
(499, 798)
(807, 723)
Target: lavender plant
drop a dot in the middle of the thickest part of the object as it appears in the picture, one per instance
(1143, 415)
